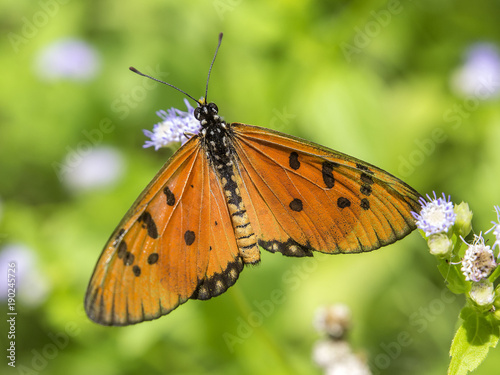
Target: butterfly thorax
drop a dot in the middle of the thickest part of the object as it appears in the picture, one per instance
(216, 138)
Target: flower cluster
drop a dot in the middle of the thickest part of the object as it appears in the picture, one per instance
(444, 226)
(173, 128)
(334, 353)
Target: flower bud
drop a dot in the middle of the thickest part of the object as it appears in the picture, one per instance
(463, 221)
(482, 292)
(440, 245)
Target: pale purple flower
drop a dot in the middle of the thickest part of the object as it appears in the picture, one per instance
(171, 130)
(478, 261)
(436, 216)
(496, 229)
(31, 287)
(480, 75)
(71, 59)
(96, 168)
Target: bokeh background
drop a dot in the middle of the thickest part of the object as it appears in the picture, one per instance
(411, 86)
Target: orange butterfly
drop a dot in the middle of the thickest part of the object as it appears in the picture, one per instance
(228, 190)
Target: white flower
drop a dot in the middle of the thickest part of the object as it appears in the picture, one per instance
(337, 358)
(478, 261)
(436, 216)
(171, 130)
(334, 320)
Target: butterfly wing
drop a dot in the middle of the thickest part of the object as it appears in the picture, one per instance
(301, 196)
(175, 243)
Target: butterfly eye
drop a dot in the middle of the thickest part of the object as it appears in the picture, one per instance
(213, 108)
(197, 113)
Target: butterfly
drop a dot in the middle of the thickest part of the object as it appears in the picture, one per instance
(228, 191)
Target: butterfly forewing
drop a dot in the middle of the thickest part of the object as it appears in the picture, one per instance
(175, 243)
(307, 197)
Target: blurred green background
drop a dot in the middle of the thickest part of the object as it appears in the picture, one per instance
(410, 86)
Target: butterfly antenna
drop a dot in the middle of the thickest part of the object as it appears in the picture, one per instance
(212, 64)
(165, 83)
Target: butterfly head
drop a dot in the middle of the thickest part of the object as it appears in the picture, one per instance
(207, 114)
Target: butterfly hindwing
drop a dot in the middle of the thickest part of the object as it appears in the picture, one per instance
(225, 262)
(175, 243)
(307, 197)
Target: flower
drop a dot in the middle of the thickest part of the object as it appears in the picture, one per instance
(337, 358)
(31, 284)
(436, 216)
(171, 130)
(68, 58)
(479, 75)
(335, 320)
(478, 261)
(96, 168)
(496, 228)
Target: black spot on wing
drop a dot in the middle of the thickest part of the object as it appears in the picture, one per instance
(136, 270)
(149, 224)
(218, 283)
(365, 189)
(122, 249)
(128, 259)
(343, 202)
(189, 237)
(364, 168)
(365, 204)
(296, 205)
(289, 248)
(293, 160)
(170, 196)
(327, 173)
(118, 236)
(153, 258)
(366, 178)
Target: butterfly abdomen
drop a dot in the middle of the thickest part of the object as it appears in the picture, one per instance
(221, 154)
(245, 236)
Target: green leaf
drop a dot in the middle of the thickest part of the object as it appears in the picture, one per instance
(494, 275)
(477, 334)
(455, 280)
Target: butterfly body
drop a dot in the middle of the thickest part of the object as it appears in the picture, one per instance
(216, 139)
